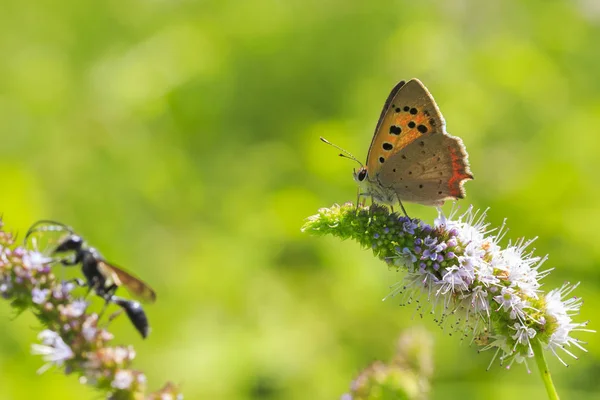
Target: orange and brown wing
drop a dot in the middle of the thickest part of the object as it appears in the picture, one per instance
(409, 113)
(135, 286)
(428, 171)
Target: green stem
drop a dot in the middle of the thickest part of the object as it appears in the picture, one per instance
(544, 371)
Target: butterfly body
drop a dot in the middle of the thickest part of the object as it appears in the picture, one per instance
(412, 157)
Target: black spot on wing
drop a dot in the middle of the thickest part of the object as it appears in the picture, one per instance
(395, 130)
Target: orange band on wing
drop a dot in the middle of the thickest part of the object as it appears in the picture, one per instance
(458, 173)
(406, 139)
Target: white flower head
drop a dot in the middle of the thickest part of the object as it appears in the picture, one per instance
(458, 270)
(461, 266)
(123, 379)
(561, 311)
(39, 296)
(74, 309)
(35, 260)
(53, 350)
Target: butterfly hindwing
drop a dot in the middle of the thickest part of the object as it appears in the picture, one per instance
(409, 113)
(428, 171)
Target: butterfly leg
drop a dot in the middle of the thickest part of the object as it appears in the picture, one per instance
(402, 207)
(371, 206)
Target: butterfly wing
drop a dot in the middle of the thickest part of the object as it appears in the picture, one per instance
(119, 277)
(428, 171)
(409, 113)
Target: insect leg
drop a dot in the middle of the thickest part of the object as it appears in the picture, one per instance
(114, 315)
(69, 263)
(94, 285)
(371, 209)
(108, 296)
(78, 281)
(106, 301)
(402, 207)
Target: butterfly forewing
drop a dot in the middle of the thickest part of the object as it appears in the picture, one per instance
(409, 113)
(134, 286)
(386, 105)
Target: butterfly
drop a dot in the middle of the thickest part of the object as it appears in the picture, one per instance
(412, 158)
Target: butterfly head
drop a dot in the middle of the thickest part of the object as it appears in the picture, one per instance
(365, 186)
(360, 175)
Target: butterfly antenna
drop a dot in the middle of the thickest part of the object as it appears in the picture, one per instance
(345, 153)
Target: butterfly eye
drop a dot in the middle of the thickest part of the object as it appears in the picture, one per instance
(362, 174)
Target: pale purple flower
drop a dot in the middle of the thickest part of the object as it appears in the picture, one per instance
(53, 350)
(39, 296)
(480, 277)
(123, 380)
(428, 254)
(35, 260)
(409, 227)
(510, 301)
(74, 309)
(408, 254)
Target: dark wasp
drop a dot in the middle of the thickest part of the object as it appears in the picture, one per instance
(101, 276)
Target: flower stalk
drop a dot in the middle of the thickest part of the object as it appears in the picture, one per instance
(72, 339)
(457, 270)
(540, 360)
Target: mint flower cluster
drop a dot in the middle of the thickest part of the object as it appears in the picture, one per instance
(72, 339)
(457, 270)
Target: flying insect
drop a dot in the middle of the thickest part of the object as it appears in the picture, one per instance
(101, 276)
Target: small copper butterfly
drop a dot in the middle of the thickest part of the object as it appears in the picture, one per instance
(412, 157)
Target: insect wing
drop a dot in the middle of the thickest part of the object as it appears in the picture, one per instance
(409, 113)
(45, 241)
(135, 286)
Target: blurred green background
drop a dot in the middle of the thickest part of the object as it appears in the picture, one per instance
(181, 139)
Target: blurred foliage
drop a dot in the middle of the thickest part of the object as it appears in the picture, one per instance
(181, 139)
(406, 377)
